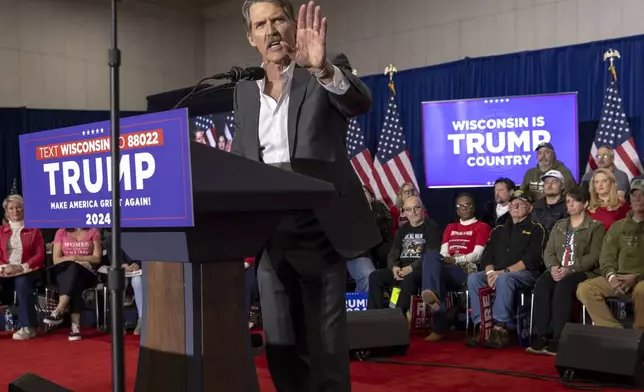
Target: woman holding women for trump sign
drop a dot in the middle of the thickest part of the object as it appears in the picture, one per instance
(77, 254)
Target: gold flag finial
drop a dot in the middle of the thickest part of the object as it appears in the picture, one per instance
(611, 55)
(391, 70)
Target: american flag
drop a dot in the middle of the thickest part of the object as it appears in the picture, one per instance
(393, 166)
(208, 126)
(614, 131)
(229, 129)
(14, 187)
(568, 257)
(361, 157)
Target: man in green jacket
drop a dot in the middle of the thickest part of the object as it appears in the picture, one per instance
(546, 160)
(621, 264)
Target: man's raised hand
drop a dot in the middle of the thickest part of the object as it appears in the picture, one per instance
(310, 47)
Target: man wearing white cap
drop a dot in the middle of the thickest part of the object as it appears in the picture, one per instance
(552, 207)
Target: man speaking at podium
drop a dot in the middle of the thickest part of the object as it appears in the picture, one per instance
(296, 119)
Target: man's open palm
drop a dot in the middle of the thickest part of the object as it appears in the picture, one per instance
(310, 47)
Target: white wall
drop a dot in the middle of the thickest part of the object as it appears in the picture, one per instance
(416, 33)
(53, 54)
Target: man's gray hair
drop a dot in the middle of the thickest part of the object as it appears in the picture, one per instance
(286, 5)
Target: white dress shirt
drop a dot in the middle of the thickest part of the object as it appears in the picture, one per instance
(273, 115)
(502, 209)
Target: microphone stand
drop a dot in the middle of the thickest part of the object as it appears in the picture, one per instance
(198, 93)
(116, 274)
(211, 89)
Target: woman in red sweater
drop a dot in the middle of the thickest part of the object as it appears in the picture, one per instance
(22, 250)
(605, 205)
(461, 250)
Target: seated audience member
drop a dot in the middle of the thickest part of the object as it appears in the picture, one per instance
(77, 254)
(621, 264)
(461, 250)
(571, 256)
(384, 221)
(405, 191)
(605, 205)
(546, 161)
(250, 287)
(497, 211)
(414, 238)
(135, 281)
(605, 160)
(552, 207)
(512, 261)
(21, 250)
(361, 267)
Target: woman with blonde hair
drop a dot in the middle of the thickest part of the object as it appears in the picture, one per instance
(22, 250)
(605, 204)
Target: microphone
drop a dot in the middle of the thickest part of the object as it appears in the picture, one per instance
(237, 73)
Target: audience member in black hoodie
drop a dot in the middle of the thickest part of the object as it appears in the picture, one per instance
(513, 259)
(413, 239)
(497, 210)
(548, 210)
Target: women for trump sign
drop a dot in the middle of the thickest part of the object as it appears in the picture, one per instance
(67, 174)
(473, 142)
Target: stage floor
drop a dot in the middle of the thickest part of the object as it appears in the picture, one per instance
(85, 366)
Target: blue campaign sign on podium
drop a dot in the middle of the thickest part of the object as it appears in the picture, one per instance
(356, 301)
(67, 174)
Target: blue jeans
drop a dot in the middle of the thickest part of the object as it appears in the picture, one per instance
(507, 284)
(360, 268)
(440, 278)
(24, 287)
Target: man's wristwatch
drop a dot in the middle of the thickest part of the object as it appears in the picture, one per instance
(507, 270)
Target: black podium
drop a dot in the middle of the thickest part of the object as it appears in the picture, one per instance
(195, 333)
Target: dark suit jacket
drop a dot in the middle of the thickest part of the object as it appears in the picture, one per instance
(317, 128)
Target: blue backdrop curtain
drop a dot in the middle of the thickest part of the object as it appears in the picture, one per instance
(573, 68)
(577, 68)
(17, 121)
